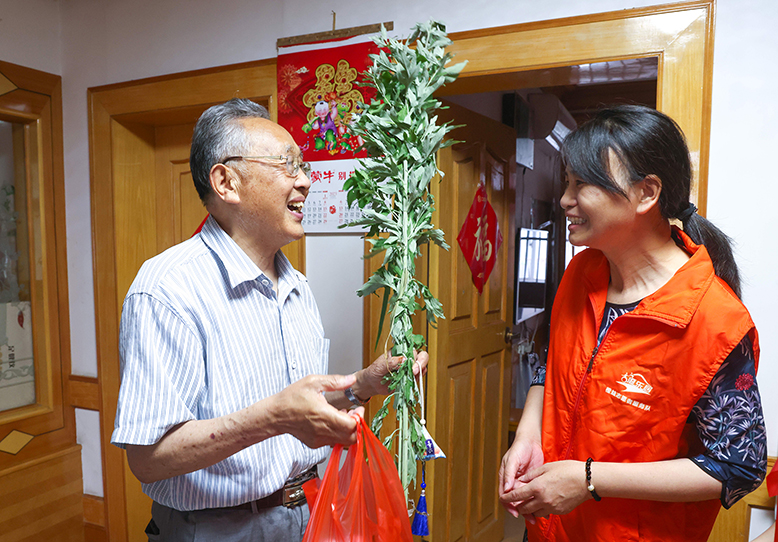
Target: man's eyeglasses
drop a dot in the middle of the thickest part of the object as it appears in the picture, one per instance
(293, 165)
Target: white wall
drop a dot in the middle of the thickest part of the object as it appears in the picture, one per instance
(30, 34)
(97, 42)
(741, 188)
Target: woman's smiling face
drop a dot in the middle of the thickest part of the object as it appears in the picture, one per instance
(597, 217)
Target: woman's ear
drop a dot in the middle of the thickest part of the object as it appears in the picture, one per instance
(650, 190)
(225, 183)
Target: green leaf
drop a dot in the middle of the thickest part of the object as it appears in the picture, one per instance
(387, 295)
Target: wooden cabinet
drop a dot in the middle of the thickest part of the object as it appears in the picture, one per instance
(40, 465)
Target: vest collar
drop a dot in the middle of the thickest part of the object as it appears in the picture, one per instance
(674, 303)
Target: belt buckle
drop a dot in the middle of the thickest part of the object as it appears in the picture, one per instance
(293, 493)
(293, 497)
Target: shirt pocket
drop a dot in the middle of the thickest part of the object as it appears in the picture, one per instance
(313, 358)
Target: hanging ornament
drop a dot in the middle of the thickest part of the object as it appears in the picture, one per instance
(420, 525)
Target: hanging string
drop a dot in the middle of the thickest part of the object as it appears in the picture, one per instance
(423, 419)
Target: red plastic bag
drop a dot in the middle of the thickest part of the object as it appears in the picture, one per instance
(361, 502)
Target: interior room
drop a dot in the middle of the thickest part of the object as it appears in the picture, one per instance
(98, 99)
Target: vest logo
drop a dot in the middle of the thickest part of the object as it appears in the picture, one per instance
(635, 383)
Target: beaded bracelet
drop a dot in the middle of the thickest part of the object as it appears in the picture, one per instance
(589, 485)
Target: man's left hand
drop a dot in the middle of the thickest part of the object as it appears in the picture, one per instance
(370, 381)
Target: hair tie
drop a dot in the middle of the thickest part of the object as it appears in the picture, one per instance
(684, 215)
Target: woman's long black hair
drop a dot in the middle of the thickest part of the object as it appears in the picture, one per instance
(648, 142)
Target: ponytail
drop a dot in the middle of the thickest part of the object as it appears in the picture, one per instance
(719, 245)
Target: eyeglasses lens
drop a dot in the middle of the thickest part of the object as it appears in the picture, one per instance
(293, 166)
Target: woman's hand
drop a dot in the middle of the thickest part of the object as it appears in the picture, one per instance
(524, 456)
(553, 488)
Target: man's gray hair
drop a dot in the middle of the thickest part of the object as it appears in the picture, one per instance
(219, 135)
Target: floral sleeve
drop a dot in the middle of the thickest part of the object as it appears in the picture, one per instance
(539, 378)
(730, 425)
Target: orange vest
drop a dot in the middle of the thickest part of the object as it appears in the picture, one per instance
(628, 400)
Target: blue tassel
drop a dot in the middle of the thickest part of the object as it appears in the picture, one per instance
(420, 525)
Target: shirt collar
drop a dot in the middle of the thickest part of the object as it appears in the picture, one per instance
(676, 301)
(239, 267)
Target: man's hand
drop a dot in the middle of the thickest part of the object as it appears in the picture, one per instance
(302, 411)
(370, 381)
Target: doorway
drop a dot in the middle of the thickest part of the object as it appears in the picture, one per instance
(542, 116)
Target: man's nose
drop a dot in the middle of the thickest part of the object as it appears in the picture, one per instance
(302, 182)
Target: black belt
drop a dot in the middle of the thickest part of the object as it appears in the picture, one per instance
(290, 496)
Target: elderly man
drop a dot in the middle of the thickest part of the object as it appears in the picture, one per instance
(223, 409)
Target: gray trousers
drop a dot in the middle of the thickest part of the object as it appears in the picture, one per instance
(277, 524)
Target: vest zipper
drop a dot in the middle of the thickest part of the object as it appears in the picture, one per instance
(572, 426)
(578, 397)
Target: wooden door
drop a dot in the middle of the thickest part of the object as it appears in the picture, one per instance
(468, 382)
(468, 378)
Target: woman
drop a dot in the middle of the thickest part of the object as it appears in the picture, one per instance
(649, 417)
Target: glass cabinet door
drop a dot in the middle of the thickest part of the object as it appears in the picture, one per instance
(17, 369)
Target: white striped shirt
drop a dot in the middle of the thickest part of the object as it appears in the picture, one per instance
(203, 335)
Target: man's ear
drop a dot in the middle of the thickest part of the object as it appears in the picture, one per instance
(650, 190)
(225, 183)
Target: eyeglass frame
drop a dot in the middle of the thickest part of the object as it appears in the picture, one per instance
(290, 163)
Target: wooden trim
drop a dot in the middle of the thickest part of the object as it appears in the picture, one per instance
(43, 458)
(37, 105)
(94, 510)
(106, 322)
(94, 533)
(84, 392)
(334, 34)
(30, 79)
(184, 75)
(581, 19)
(205, 90)
(23, 103)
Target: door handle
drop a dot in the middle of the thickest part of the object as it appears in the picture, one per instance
(508, 335)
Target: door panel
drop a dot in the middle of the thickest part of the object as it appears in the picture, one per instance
(458, 444)
(497, 171)
(462, 169)
(486, 505)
